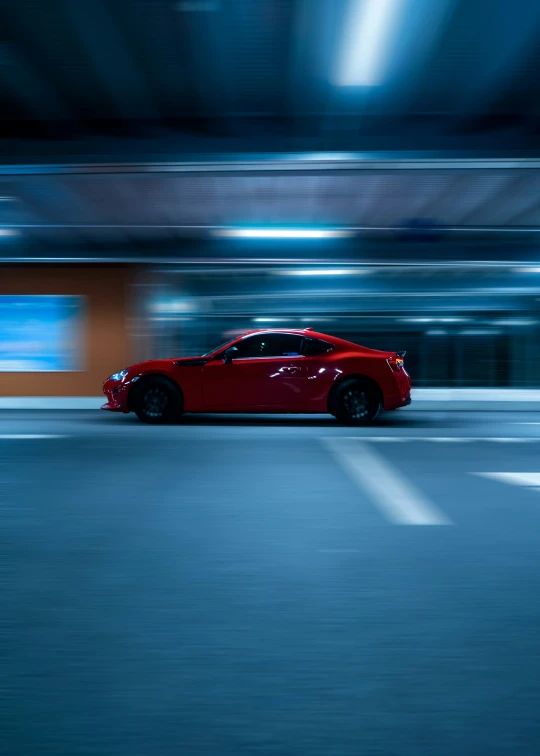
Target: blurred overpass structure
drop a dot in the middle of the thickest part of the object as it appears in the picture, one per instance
(437, 256)
(364, 197)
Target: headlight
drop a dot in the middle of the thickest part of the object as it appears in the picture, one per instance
(118, 376)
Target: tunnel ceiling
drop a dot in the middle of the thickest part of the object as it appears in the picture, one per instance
(102, 103)
(222, 74)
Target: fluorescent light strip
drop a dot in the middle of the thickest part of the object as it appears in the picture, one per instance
(515, 322)
(368, 31)
(434, 320)
(480, 332)
(271, 320)
(323, 272)
(282, 233)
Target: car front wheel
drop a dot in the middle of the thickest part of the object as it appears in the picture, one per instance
(157, 401)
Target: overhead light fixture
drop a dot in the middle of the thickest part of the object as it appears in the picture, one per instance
(171, 306)
(369, 26)
(435, 320)
(324, 272)
(175, 319)
(515, 322)
(479, 332)
(526, 270)
(282, 233)
(9, 232)
(270, 320)
(328, 156)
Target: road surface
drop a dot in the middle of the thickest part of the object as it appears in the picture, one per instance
(280, 586)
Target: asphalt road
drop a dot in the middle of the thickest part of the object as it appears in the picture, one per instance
(277, 586)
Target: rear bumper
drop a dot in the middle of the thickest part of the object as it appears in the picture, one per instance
(396, 401)
(400, 396)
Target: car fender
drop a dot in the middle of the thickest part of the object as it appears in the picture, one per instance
(139, 378)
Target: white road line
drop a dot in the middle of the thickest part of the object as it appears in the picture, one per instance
(400, 502)
(30, 435)
(528, 479)
(445, 439)
(379, 439)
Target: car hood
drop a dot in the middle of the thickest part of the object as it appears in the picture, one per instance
(166, 364)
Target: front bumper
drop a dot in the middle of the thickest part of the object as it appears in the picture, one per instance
(116, 394)
(114, 407)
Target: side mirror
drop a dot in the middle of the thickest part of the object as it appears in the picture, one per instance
(230, 355)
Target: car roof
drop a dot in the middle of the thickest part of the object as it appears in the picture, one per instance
(309, 332)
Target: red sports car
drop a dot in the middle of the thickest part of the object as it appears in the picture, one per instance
(266, 371)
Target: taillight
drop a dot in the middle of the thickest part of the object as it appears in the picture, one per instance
(396, 363)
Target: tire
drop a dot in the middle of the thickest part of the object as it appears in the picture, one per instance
(355, 402)
(157, 400)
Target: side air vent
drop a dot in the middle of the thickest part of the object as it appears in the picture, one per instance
(190, 363)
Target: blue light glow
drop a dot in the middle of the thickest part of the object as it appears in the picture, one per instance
(282, 233)
(369, 27)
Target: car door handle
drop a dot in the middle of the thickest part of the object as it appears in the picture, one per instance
(290, 369)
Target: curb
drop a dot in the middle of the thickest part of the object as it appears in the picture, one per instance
(450, 399)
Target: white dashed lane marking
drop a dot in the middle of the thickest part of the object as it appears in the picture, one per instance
(25, 436)
(526, 479)
(396, 497)
(444, 439)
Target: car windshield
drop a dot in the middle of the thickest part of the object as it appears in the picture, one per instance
(221, 346)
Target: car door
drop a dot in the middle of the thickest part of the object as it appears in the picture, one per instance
(309, 385)
(260, 376)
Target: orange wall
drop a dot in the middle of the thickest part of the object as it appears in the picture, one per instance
(106, 345)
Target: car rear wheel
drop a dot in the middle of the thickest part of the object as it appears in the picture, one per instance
(355, 402)
(157, 401)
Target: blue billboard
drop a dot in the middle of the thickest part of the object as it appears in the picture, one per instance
(41, 333)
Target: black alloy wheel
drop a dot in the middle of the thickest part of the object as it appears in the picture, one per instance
(355, 402)
(157, 400)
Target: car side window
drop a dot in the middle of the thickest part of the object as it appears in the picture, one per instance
(313, 347)
(270, 345)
